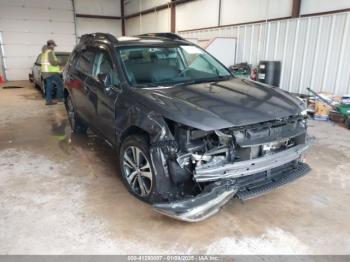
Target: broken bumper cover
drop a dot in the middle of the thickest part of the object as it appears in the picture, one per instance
(249, 190)
(209, 203)
(200, 207)
(249, 167)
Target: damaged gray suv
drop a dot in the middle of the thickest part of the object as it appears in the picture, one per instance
(189, 135)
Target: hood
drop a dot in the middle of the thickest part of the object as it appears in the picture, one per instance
(213, 106)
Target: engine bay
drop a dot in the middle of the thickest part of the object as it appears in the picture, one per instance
(199, 150)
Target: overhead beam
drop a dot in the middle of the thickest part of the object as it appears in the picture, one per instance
(173, 17)
(296, 8)
(98, 16)
(238, 24)
(75, 21)
(123, 16)
(219, 15)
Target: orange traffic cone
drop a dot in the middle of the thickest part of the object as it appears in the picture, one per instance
(1, 80)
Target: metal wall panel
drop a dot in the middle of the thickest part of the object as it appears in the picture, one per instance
(61, 4)
(135, 6)
(314, 51)
(2, 66)
(197, 14)
(159, 21)
(35, 13)
(91, 25)
(100, 7)
(243, 11)
(26, 25)
(317, 6)
(37, 26)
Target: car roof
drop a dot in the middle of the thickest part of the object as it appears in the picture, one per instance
(156, 39)
(148, 40)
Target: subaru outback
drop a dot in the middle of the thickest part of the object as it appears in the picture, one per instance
(189, 135)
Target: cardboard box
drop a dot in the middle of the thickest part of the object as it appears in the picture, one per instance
(322, 109)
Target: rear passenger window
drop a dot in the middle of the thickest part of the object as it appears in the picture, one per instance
(85, 61)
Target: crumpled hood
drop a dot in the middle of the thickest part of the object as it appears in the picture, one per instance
(213, 106)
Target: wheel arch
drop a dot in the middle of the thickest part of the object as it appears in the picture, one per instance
(155, 128)
(151, 125)
(135, 130)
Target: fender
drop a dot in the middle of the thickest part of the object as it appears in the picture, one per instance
(150, 122)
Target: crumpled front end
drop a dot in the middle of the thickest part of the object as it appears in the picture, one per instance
(211, 168)
(207, 204)
(200, 207)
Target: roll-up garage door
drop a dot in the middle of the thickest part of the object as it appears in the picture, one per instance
(26, 25)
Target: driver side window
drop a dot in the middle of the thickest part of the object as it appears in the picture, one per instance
(103, 65)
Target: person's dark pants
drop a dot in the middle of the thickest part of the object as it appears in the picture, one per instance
(49, 85)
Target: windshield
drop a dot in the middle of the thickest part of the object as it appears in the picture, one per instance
(154, 66)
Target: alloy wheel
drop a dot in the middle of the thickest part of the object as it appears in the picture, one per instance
(137, 171)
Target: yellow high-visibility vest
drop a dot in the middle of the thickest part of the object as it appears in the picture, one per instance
(46, 67)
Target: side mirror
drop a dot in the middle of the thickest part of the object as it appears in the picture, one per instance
(37, 64)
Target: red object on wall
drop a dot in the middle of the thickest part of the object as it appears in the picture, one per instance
(1, 80)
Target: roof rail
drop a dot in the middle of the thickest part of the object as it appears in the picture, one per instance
(171, 36)
(98, 36)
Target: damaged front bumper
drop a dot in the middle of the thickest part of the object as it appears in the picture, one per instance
(245, 181)
(249, 167)
(200, 207)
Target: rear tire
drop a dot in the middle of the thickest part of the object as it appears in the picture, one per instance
(77, 126)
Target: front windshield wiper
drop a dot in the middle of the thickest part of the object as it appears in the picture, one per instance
(225, 77)
(215, 79)
(188, 82)
(145, 85)
(204, 80)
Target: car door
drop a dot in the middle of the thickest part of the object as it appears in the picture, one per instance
(36, 70)
(108, 89)
(79, 84)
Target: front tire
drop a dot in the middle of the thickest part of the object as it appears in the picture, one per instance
(137, 169)
(77, 126)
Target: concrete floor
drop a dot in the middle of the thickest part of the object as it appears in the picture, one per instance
(61, 194)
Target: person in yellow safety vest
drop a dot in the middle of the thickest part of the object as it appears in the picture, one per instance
(51, 69)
